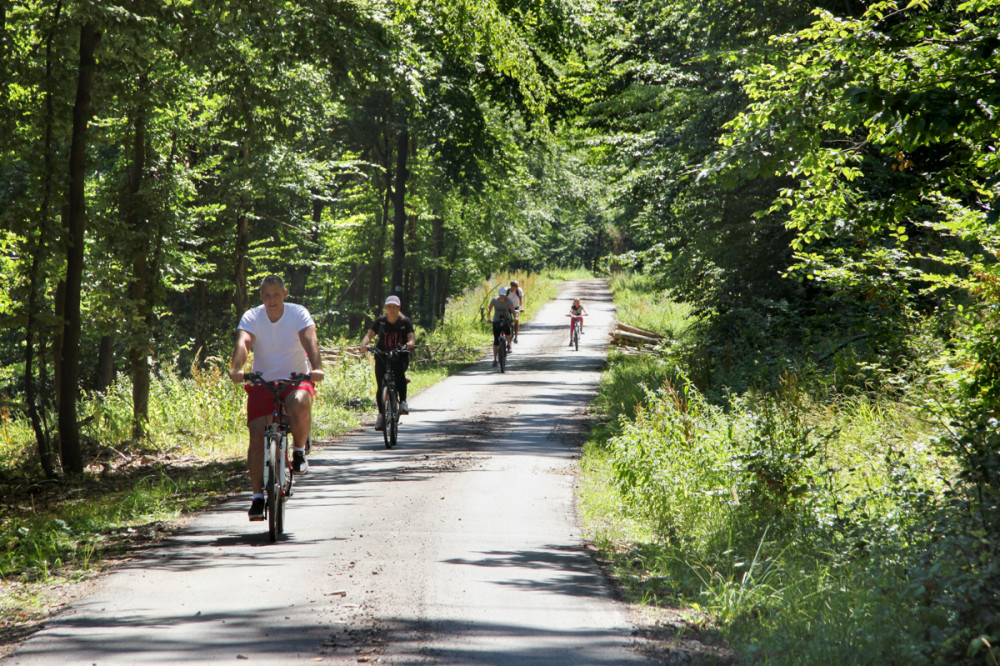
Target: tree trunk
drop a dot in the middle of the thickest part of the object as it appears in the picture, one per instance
(138, 223)
(446, 282)
(399, 211)
(200, 334)
(106, 363)
(76, 222)
(241, 255)
(437, 278)
(57, 341)
(48, 171)
(34, 416)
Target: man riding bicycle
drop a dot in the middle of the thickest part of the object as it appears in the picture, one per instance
(283, 339)
(516, 296)
(393, 330)
(503, 314)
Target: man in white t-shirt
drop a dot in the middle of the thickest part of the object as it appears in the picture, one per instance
(283, 339)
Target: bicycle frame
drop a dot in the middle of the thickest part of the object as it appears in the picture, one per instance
(278, 473)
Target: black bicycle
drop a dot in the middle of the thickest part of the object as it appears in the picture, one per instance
(277, 465)
(390, 394)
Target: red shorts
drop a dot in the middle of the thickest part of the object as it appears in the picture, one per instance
(260, 401)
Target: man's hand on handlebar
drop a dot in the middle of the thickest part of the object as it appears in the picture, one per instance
(316, 375)
(236, 376)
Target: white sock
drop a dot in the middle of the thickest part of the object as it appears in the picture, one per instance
(258, 495)
(300, 449)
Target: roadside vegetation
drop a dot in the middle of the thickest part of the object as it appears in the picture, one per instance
(816, 517)
(132, 492)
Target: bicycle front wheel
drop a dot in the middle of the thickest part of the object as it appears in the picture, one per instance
(576, 337)
(272, 488)
(391, 418)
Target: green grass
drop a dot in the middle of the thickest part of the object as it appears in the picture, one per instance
(788, 516)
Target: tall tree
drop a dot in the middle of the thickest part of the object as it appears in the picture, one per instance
(74, 231)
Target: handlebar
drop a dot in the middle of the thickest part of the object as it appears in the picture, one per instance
(585, 314)
(402, 349)
(258, 378)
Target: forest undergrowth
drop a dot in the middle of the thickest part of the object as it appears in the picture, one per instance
(56, 532)
(811, 517)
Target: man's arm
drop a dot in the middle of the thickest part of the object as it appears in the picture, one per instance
(411, 340)
(244, 342)
(489, 310)
(307, 336)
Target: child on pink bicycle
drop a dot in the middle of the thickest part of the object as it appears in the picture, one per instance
(576, 313)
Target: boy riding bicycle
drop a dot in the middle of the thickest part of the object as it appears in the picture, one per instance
(393, 329)
(576, 312)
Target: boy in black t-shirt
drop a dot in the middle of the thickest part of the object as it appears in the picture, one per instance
(393, 330)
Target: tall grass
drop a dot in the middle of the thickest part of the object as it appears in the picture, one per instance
(786, 515)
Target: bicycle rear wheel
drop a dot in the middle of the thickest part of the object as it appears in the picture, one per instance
(271, 489)
(284, 488)
(502, 354)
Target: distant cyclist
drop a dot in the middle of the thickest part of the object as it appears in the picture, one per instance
(516, 295)
(393, 329)
(576, 312)
(503, 314)
(283, 339)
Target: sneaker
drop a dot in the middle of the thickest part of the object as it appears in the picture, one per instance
(380, 422)
(495, 363)
(509, 350)
(256, 511)
(404, 408)
(515, 338)
(299, 463)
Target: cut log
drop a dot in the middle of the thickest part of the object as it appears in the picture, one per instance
(638, 331)
(634, 338)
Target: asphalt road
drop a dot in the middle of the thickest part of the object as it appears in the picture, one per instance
(459, 546)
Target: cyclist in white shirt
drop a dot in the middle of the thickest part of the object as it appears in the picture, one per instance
(283, 339)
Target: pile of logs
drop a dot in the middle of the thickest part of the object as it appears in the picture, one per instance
(634, 339)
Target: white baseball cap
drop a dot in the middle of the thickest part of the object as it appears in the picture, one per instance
(392, 300)
(503, 291)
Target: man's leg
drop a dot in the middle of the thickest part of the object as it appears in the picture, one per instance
(255, 465)
(298, 406)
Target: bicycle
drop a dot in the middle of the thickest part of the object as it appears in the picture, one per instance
(277, 466)
(390, 394)
(577, 321)
(502, 352)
